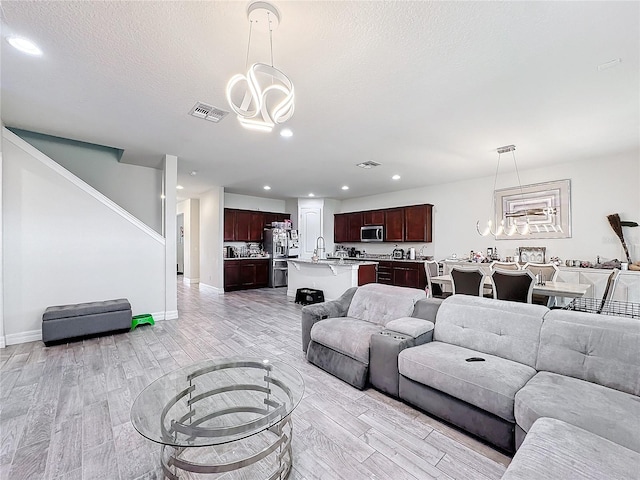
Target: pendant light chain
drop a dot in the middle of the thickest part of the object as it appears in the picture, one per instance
(270, 37)
(246, 62)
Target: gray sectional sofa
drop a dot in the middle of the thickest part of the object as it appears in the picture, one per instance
(542, 373)
(336, 335)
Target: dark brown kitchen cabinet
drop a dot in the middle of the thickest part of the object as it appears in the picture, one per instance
(243, 274)
(354, 221)
(373, 217)
(243, 226)
(417, 223)
(229, 225)
(408, 274)
(394, 225)
(385, 273)
(340, 228)
(248, 225)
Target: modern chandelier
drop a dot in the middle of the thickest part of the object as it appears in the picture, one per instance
(267, 93)
(501, 229)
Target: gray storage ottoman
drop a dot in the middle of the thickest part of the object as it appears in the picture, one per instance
(65, 322)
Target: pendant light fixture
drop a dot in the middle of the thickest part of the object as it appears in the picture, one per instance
(501, 228)
(267, 93)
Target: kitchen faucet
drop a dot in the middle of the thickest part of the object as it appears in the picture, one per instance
(319, 248)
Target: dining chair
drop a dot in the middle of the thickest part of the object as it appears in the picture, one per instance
(548, 273)
(467, 281)
(431, 268)
(504, 265)
(513, 286)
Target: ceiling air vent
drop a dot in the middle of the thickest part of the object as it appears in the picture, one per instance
(202, 110)
(368, 164)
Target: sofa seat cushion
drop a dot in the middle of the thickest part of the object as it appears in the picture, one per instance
(413, 327)
(604, 411)
(490, 385)
(346, 335)
(377, 303)
(557, 450)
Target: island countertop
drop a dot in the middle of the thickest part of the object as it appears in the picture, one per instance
(330, 276)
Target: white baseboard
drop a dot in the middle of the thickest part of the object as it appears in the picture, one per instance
(190, 281)
(219, 291)
(23, 337)
(168, 315)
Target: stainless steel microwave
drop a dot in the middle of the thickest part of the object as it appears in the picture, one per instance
(372, 234)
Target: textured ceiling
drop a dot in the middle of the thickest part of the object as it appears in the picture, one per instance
(427, 89)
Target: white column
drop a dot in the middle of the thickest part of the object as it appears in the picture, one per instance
(170, 197)
(2, 339)
(211, 239)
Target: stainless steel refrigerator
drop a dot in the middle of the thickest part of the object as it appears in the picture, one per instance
(280, 244)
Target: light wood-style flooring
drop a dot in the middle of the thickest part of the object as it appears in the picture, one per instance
(64, 410)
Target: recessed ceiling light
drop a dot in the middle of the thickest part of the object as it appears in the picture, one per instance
(311, 195)
(24, 45)
(267, 187)
(345, 187)
(193, 173)
(179, 187)
(395, 177)
(286, 132)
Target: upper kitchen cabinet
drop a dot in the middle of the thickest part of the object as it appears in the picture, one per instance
(373, 217)
(346, 227)
(394, 225)
(340, 228)
(243, 225)
(248, 225)
(229, 225)
(417, 223)
(354, 221)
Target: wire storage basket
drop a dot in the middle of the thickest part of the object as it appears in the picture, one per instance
(606, 307)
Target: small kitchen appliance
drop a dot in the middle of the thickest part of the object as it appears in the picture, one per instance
(398, 253)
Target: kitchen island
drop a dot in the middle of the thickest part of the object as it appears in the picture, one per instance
(330, 276)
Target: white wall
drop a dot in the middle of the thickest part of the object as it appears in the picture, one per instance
(63, 244)
(599, 187)
(211, 235)
(136, 189)
(190, 209)
(246, 202)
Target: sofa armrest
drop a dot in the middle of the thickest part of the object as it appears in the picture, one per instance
(417, 328)
(319, 311)
(427, 308)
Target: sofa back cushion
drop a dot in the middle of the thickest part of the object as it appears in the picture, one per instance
(506, 329)
(601, 349)
(377, 303)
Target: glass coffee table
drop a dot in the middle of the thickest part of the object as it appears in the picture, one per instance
(222, 415)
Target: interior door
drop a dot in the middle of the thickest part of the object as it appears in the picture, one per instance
(310, 229)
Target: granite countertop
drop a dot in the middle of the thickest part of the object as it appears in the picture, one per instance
(334, 262)
(267, 257)
(376, 260)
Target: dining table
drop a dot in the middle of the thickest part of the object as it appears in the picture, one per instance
(553, 290)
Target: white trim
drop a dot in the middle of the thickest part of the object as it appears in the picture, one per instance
(3, 343)
(190, 281)
(60, 170)
(172, 315)
(23, 337)
(206, 286)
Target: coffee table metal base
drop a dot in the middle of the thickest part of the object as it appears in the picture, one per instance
(277, 453)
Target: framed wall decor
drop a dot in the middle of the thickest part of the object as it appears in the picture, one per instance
(546, 206)
(533, 254)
